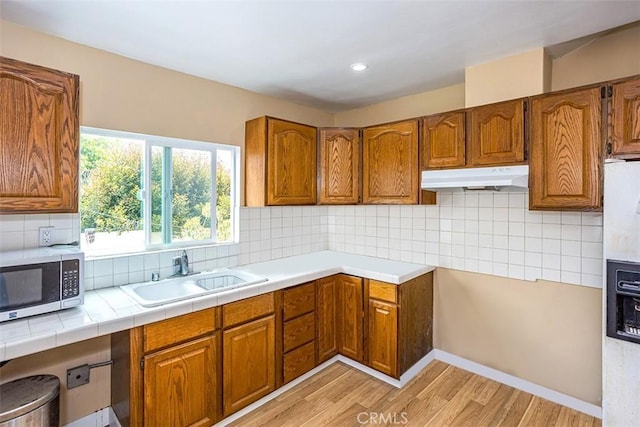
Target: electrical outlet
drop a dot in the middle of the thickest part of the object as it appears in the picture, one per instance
(45, 236)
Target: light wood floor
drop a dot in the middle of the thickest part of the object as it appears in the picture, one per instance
(441, 395)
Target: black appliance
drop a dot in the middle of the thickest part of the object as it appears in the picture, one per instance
(623, 300)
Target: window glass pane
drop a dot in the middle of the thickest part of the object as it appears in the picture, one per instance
(181, 194)
(110, 207)
(159, 198)
(224, 169)
(191, 199)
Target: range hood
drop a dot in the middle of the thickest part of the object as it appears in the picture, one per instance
(499, 178)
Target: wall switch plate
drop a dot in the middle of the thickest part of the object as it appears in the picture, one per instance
(77, 376)
(45, 236)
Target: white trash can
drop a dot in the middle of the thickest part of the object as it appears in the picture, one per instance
(30, 402)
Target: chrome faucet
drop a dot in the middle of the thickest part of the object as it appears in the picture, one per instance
(181, 264)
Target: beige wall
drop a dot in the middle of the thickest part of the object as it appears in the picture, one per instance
(507, 78)
(609, 57)
(80, 401)
(122, 94)
(435, 101)
(544, 332)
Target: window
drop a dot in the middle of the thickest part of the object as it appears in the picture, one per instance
(142, 192)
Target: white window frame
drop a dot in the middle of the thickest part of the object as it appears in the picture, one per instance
(151, 141)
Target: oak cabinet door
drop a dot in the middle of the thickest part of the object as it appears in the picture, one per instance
(496, 133)
(39, 131)
(443, 140)
(291, 163)
(326, 317)
(350, 317)
(625, 119)
(248, 363)
(383, 337)
(339, 171)
(565, 167)
(280, 163)
(390, 169)
(180, 385)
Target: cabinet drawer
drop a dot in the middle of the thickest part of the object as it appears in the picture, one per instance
(251, 308)
(299, 300)
(299, 361)
(178, 329)
(383, 291)
(299, 331)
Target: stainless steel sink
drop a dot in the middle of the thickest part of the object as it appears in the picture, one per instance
(151, 294)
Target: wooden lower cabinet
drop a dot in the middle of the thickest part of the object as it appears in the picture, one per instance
(198, 368)
(168, 372)
(298, 346)
(350, 317)
(326, 317)
(340, 317)
(298, 362)
(248, 363)
(383, 337)
(180, 384)
(400, 324)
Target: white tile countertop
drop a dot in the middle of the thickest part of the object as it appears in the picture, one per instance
(110, 310)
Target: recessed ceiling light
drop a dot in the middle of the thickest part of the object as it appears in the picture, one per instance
(359, 66)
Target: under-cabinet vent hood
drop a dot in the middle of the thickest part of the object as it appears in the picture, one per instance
(499, 178)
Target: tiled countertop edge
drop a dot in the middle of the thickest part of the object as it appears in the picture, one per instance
(111, 310)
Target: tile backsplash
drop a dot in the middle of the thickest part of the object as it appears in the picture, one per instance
(21, 231)
(491, 233)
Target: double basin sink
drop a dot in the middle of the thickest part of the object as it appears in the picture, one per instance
(154, 293)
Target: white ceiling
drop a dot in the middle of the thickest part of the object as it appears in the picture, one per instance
(301, 50)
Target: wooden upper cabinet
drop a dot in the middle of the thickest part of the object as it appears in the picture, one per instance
(565, 166)
(180, 385)
(625, 119)
(390, 169)
(339, 171)
(443, 140)
(496, 133)
(39, 131)
(280, 163)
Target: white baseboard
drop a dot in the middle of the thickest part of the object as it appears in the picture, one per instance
(404, 379)
(519, 383)
(104, 417)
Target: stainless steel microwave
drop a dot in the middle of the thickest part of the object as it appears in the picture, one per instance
(36, 281)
